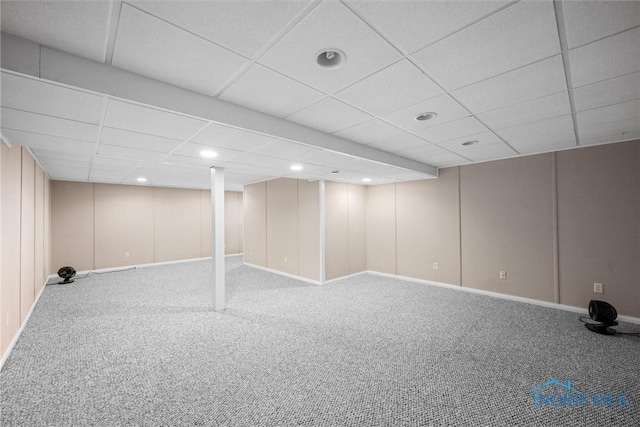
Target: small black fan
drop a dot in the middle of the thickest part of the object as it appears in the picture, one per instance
(66, 273)
(606, 314)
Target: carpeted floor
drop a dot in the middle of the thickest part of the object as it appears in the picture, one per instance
(142, 348)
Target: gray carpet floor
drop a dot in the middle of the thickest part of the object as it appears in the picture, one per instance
(142, 348)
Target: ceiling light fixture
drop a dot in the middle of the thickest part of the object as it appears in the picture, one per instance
(366, 179)
(296, 168)
(426, 116)
(467, 143)
(330, 58)
(335, 172)
(142, 179)
(208, 154)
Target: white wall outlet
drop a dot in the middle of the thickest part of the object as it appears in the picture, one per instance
(503, 275)
(597, 288)
(6, 321)
(127, 254)
(435, 266)
(285, 259)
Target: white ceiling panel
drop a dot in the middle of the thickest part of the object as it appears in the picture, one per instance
(484, 139)
(329, 115)
(331, 160)
(397, 86)
(444, 105)
(39, 123)
(243, 26)
(529, 111)
(81, 28)
(424, 152)
(260, 160)
(65, 173)
(453, 129)
(64, 163)
(106, 165)
(129, 153)
(586, 21)
(479, 153)
(611, 113)
(48, 142)
(216, 135)
(149, 46)
(447, 159)
(330, 25)
(541, 127)
(138, 141)
(264, 90)
(608, 92)
(558, 140)
(137, 118)
(52, 156)
(399, 143)
(193, 150)
(418, 23)
(533, 81)
(370, 131)
(608, 58)
(516, 36)
(610, 132)
(287, 150)
(37, 96)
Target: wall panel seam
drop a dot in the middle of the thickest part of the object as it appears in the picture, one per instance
(554, 228)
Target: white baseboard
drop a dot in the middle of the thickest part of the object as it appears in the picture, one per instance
(282, 273)
(16, 337)
(565, 307)
(359, 273)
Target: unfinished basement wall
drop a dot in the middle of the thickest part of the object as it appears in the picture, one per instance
(24, 250)
(97, 226)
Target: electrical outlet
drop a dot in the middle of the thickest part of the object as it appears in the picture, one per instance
(435, 266)
(285, 259)
(503, 275)
(597, 288)
(6, 321)
(127, 254)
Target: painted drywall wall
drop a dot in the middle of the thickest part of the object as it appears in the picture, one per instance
(381, 228)
(255, 224)
(282, 225)
(308, 226)
(24, 253)
(107, 225)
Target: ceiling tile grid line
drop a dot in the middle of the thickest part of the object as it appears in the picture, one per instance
(116, 9)
(562, 33)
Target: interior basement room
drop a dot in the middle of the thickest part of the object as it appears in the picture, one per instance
(320, 213)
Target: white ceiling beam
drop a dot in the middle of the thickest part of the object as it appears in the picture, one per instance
(26, 57)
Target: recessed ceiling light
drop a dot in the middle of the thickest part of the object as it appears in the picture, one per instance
(366, 179)
(296, 168)
(474, 142)
(142, 179)
(330, 58)
(208, 154)
(335, 172)
(426, 116)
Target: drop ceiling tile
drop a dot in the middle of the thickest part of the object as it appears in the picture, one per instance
(516, 36)
(418, 23)
(610, 113)
(541, 127)
(47, 142)
(267, 91)
(554, 141)
(36, 96)
(483, 153)
(53, 156)
(397, 86)
(399, 143)
(129, 153)
(287, 150)
(106, 164)
(48, 125)
(447, 160)
(154, 48)
(608, 92)
(138, 141)
(64, 163)
(330, 25)
(216, 135)
(243, 26)
(484, 139)
(586, 21)
(453, 129)
(137, 118)
(623, 130)
(370, 131)
(64, 173)
(332, 160)
(81, 28)
(262, 161)
(611, 57)
(445, 106)
(424, 153)
(529, 111)
(193, 150)
(533, 81)
(329, 115)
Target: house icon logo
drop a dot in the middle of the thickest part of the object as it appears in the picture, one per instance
(555, 393)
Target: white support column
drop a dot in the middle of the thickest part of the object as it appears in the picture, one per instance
(217, 238)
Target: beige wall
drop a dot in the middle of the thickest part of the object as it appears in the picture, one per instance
(308, 226)
(428, 228)
(106, 225)
(233, 221)
(282, 225)
(381, 228)
(255, 224)
(24, 215)
(599, 225)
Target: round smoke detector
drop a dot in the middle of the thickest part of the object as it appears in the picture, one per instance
(331, 58)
